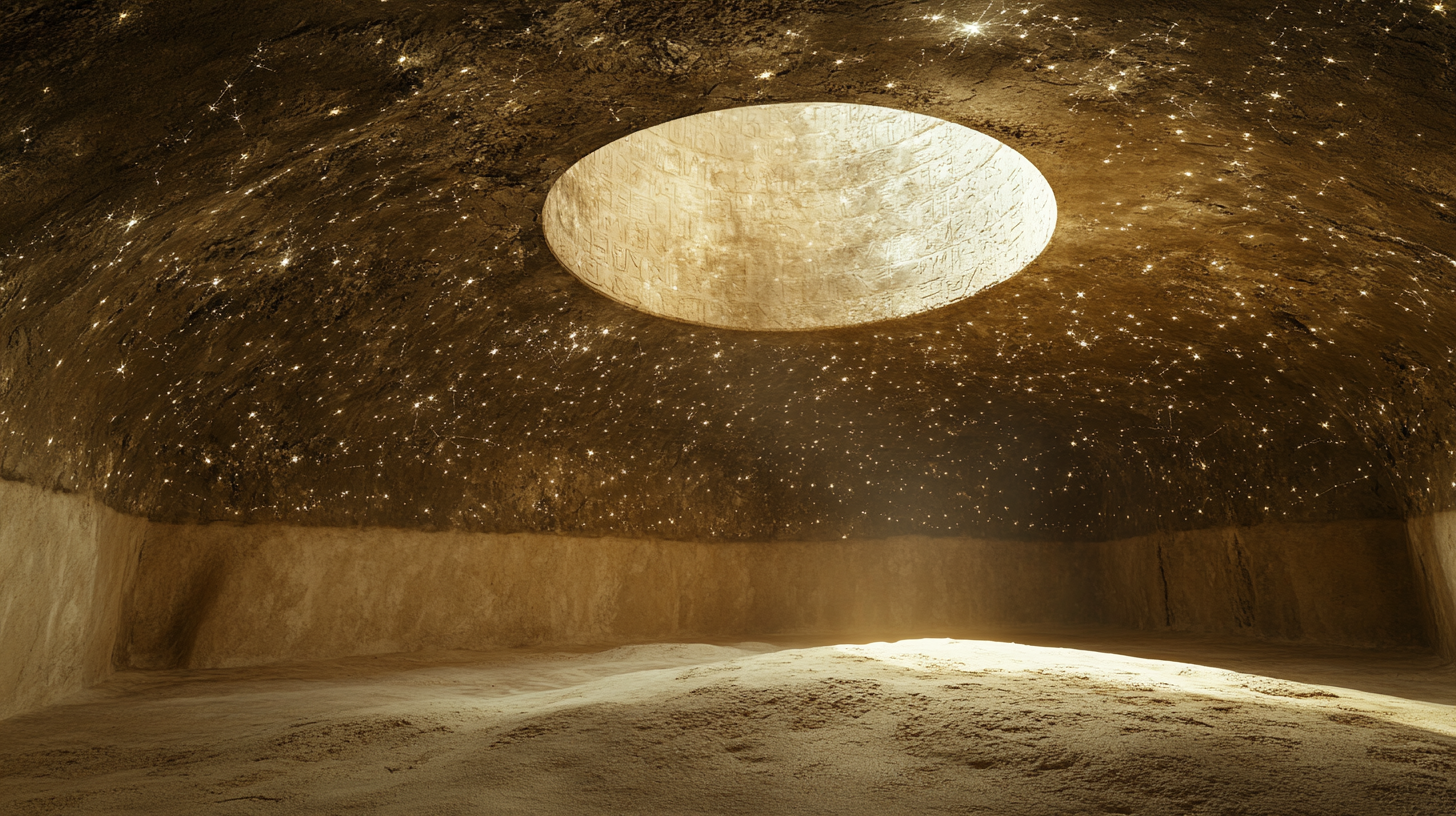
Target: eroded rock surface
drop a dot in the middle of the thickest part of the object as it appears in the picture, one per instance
(282, 262)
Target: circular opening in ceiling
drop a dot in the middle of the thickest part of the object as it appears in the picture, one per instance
(798, 216)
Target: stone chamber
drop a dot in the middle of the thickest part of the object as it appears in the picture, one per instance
(325, 487)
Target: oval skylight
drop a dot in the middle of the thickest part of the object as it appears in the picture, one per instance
(798, 216)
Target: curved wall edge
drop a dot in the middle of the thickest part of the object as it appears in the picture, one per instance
(224, 595)
(84, 589)
(1433, 553)
(67, 564)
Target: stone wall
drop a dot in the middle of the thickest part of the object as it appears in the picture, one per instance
(66, 565)
(83, 588)
(1348, 583)
(1433, 549)
(221, 595)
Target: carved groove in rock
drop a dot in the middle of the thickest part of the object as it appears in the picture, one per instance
(798, 216)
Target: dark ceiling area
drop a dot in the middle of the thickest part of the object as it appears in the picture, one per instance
(283, 262)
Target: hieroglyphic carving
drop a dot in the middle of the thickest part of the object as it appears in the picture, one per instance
(798, 216)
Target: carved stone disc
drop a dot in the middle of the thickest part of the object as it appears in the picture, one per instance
(798, 216)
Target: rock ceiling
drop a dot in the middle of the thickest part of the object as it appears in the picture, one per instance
(284, 262)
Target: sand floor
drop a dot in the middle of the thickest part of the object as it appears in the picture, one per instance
(1119, 724)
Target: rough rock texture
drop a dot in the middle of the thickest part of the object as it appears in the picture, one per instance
(274, 261)
(1433, 547)
(231, 595)
(66, 567)
(83, 587)
(1349, 583)
(912, 727)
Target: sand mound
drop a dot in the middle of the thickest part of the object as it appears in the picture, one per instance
(923, 726)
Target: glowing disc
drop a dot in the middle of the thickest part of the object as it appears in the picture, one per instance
(798, 216)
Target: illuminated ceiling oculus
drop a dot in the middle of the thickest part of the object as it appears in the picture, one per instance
(798, 216)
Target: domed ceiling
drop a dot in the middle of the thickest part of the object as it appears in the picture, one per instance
(285, 262)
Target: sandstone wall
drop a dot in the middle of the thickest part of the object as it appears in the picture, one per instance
(1348, 583)
(66, 564)
(222, 595)
(1433, 549)
(83, 587)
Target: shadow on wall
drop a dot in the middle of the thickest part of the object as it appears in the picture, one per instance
(83, 588)
(221, 595)
(66, 565)
(1433, 550)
